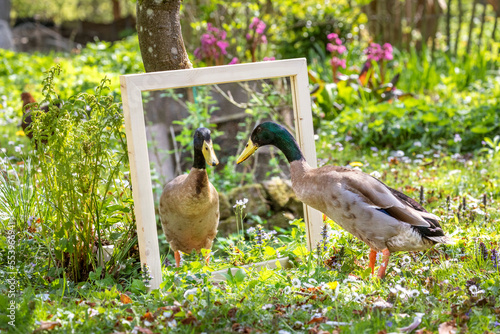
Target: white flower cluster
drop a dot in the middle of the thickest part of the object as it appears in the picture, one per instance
(241, 203)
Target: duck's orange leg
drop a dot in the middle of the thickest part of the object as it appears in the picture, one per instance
(373, 258)
(177, 256)
(207, 260)
(385, 261)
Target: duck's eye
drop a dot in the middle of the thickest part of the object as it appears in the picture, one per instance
(246, 145)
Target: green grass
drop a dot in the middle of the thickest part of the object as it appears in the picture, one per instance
(450, 284)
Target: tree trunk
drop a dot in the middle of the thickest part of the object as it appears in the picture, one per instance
(116, 10)
(160, 36)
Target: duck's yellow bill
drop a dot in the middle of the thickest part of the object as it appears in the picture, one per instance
(247, 152)
(209, 154)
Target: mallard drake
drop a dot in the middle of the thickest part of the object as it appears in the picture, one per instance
(385, 219)
(189, 204)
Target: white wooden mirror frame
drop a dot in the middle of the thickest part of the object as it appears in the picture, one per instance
(132, 87)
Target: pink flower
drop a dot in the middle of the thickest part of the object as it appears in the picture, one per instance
(338, 41)
(255, 22)
(260, 28)
(249, 37)
(374, 52)
(332, 36)
(233, 61)
(269, 58)
(337, 62)
(341, 49)
(263, 39)
(387, 52)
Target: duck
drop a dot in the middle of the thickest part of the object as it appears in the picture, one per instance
(189, 204)
(385, 219)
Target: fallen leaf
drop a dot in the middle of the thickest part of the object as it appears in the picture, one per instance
(125, 299)
(316, 320)
(189, 320)
(47, 326)
(447, 327)
(148, 316)
(232, 312)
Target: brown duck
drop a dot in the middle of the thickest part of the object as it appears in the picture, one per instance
(189, 204)
(385, 219)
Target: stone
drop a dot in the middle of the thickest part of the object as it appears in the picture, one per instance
(256, 195)
(282, 196)
(225, 208)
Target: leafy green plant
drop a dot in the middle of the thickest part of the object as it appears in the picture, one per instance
(80, 156)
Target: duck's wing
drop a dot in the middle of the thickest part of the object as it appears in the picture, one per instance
(379, 196)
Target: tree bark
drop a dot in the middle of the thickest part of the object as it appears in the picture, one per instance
(160, 36)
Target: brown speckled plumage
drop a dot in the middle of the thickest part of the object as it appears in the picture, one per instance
(189, 211)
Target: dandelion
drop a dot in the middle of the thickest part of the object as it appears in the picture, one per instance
(296, 283)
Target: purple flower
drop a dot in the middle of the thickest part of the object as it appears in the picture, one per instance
(222, 46)
(233, 61)
(213, 44)
(269, 58)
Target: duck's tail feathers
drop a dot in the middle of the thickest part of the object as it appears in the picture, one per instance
(442, 240)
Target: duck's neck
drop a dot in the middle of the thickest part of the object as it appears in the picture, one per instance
(199, 159)
(287, 144)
